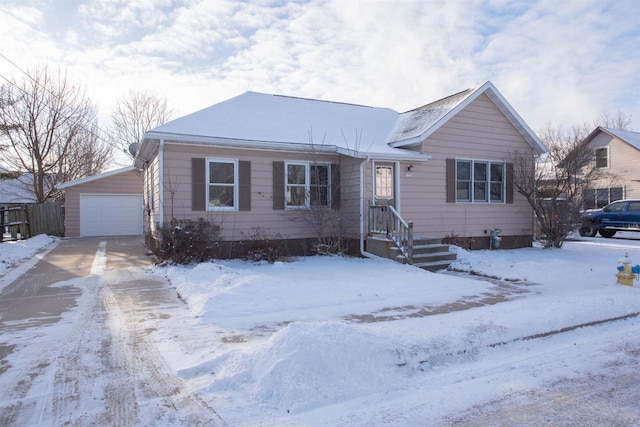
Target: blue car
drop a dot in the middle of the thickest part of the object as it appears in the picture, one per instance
(622, 215)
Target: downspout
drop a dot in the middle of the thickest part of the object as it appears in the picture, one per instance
(362, 251)
(161, 183)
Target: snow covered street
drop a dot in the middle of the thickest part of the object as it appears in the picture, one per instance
(323, 340)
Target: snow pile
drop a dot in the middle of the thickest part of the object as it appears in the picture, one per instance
(12, 253)
(306, 365)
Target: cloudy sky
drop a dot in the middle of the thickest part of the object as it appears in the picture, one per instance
(559, 62)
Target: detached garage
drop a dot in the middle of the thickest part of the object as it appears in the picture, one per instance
(109, 204)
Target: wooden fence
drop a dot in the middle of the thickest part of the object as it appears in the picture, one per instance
(27, 220)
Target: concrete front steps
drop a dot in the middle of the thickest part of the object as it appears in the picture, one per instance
(429, 253)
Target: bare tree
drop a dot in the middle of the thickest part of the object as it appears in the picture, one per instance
(555, 183)
(88, 156)
(136, 114)
(43, 118)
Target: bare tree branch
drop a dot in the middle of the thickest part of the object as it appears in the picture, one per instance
(554, 185)
(136, 114)
(43, 119)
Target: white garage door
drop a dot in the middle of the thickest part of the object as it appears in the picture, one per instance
(110, 214)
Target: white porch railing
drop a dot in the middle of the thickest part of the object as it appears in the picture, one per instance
(386, 220)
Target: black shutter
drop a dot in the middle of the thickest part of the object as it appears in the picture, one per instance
(451, 180)
(244, 183)
(509, 183)
(198, 185)
(278, 185)
(335, 186)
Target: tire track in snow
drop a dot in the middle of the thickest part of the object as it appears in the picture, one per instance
(161, 394)
(50, 384)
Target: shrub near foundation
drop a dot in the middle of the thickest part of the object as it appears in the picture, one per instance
(188, 241)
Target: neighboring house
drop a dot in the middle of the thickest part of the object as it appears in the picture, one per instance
(617, 153)
(16, 191)
(108, 204)
(263, 162)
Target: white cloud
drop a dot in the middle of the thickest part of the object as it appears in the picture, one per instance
(555, 62)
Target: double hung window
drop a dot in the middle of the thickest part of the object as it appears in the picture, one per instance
(480, 181)
(307, 185)
(600, 197)
(602, 157)
(222, 184)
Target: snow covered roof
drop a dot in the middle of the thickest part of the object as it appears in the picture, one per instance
(632, 138)
(258, 120)
(411, 125)
(17, 190)
(414, 126)
(94, 177)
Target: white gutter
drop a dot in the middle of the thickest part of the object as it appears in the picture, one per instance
(161, 183)
(394, 154)
(362, 251)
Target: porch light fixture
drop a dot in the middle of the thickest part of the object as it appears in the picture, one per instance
(410, 168)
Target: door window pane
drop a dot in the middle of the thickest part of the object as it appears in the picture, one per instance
(384, 182)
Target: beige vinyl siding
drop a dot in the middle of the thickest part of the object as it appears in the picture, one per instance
(623, 165)
(123, 183)
(350, 190)
(152, 194)
(237, 225)
(479, 132)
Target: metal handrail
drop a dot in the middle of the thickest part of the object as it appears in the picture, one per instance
(384, 219)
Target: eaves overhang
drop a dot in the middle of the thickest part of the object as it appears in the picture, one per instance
(152, 139)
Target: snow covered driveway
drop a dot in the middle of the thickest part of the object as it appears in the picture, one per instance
(77, 353)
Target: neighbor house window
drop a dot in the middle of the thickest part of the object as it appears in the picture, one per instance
(480, 181)
(597, 198)
(307, 185)
(602, 157)
(222, 184)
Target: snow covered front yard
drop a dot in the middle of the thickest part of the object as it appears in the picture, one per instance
(299, 336)
(343, 341)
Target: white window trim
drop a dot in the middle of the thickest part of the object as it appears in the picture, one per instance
(488, 163)
(307, 184)
(233, 208)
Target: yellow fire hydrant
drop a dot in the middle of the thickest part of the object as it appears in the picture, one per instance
(626, 273)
